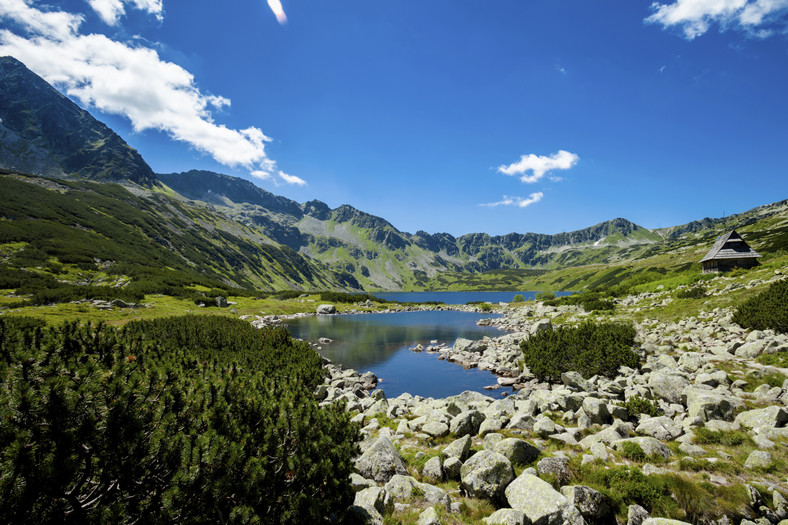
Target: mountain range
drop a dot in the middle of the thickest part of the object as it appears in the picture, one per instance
(56, 153)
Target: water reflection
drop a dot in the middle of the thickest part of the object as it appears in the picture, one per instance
(381, 342)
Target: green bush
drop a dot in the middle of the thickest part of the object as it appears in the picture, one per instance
(595, 305)
(728, 438)
(518, 298)
(191, 419)
(693, 292)
(636, 405)
(545, 296)
(769, 309)
(590, 349)
(633, 452)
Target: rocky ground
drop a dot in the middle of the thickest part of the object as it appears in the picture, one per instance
(697, 433)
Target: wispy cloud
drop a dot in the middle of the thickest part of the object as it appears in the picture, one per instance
(539, 165)
(695, 17)
(516, 201)
(127, 78)
(110, 11)
(278, 177)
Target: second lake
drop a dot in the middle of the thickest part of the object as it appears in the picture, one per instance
(381, 343)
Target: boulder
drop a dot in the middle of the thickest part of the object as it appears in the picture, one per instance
(636, 515)
(538, 500)
(712, 404)
(596, 409)
(433, 470)
(435, 429)
(459, 448)
(466, 423)
(220, 301)
(402, 488)
(763, 418)
(576, 381)
(381, 461)
(758, 459)
(662, 428)
(374, 497)
(429, 517)
(326, 309)
(518, 451)
(452, 468)
(667, 386)
(507, 517)
(592, 504)
(556, 466)
(486, 474)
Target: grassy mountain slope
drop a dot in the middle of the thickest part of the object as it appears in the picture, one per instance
(79, 223)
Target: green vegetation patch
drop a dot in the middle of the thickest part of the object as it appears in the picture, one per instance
(769, 309)
(188, 419)
(590, 349)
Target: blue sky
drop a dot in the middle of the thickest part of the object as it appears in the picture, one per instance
(448, 115)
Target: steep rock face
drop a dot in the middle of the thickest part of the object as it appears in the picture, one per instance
(45, 133)
(209, 186)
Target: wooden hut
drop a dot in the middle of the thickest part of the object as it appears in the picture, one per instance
(729, 252)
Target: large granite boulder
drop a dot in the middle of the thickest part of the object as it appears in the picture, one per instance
(404, 488)
(459, 448)
(518, 451)
(556, 466)
(381, 461)
(668, 385)
(374, 497)
(712, 404)
(591, 503)
(650, 446)
(763, 418)
(662, 428)
(326, 309)
(433, 470)
(596, 409)
(466, 422)
(486, 475)
(507, 517)
(541, 503)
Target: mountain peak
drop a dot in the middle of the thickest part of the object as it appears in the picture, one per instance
(45, 133)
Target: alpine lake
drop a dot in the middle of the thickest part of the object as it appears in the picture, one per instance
(382, 343)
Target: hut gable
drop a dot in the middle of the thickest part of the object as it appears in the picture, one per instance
(729, 251)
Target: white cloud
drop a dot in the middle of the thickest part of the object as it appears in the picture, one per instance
(110, 11)
(292, 179)
(128, 79)
(695, 17)
(278, 177)
(54, 25)
(279, 12)
(517, 201)
(539, 165)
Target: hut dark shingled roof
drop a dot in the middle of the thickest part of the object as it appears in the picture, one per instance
(730, 246)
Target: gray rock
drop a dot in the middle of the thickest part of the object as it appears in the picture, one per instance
(668, 386)
(592, 504)
(636, 515)
(556, 466)
(597, 410)
(522, 421)
(466, 423)
(459, 448)
(507, 517)
(491, 424)
(763, 418)
(452, 468)
(486, 474)
(435, 429)
(359, 482)
(518, 451)
(366, 515)
(544, 426)
(490, 440)
(692, 450)
(541, 503)
(758, 459)
(374, 497)
(402, 488)
(617, 430)
(433, 470)
(651, 447)
(575, 380)
(662, 428)
(326, 309)
(712, 404)
(220, 301)
(381, 461)
(429, 517)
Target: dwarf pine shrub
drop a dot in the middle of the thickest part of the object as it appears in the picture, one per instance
(190, 419)
(590, 349)
(769, 309)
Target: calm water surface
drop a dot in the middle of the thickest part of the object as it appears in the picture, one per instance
(457, 297)
(381, 344)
